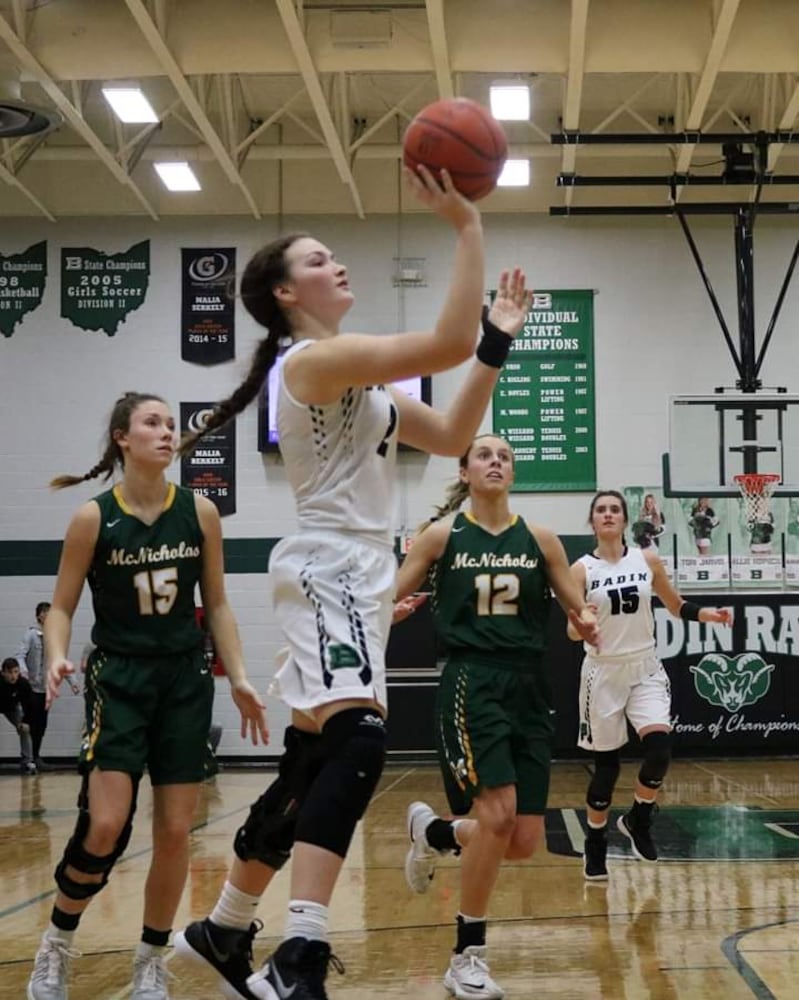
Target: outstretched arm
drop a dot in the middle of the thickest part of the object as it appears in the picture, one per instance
(674, 601)
(450, 432)
(581, 619)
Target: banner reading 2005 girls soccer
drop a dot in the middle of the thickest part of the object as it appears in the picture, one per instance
(99, 290)
(207, 311)
(544, 400)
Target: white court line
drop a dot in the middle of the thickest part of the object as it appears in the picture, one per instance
(737, 784)
(778, 828)
(574, 829)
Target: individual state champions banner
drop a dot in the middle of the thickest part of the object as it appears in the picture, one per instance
(99, 290)
(22, 280)
(210, 470)
(208, 308)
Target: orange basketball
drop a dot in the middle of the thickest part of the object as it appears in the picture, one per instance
(463, 137)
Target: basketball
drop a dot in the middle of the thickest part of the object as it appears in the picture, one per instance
(462, 137)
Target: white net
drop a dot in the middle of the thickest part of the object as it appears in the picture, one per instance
(756, 490)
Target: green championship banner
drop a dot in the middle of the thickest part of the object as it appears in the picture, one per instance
(544, 400)
(22, 280)
(207, 314)
(99, 290)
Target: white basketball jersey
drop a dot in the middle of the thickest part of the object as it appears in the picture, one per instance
(341, 458)
(622, 592)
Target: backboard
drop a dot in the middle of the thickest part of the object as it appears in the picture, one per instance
(716, 437)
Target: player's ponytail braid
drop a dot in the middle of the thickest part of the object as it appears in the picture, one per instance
(119, 421)
(265, 270)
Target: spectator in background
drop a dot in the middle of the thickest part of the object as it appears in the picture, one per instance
(16, 705)
(30, 657)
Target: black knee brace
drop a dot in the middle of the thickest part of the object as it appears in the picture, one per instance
(355, 748)
(606, 773)
(268, 833)
(79, 859)
(657, 757)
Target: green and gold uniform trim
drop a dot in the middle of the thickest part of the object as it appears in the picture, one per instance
(171, 493)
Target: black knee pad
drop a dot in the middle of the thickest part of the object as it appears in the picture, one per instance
(355, 748)
(79, 859)
(606, 774)
(268, 833)
(657, 757)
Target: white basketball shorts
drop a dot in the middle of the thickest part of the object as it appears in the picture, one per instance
(611, 692)
(333, 599)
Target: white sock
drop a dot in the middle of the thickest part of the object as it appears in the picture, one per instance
(144, 950)
(455, 824)
(471, 920)
(597, 826)
(57, 934)
(234, 908)
(306, 919)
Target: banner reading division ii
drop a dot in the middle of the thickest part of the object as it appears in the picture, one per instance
(210, 470)
(544, 400)
(98, 290)
(208, 313)
(22, 280)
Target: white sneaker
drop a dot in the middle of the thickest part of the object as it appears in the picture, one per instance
(420, 861)
(149, 978)
(48, 980)
(468, 976)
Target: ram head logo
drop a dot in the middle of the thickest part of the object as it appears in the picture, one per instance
(732, 681)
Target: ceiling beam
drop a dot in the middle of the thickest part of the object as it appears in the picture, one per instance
(293, 29)
(151, 34)
(574, 83)
(12, 181)
(27, 60)
(707, 79)
(436, 26)
(787, 122)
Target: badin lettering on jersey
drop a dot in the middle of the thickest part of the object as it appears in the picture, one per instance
(121, 557)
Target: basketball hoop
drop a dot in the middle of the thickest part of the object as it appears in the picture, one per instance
(756, 489)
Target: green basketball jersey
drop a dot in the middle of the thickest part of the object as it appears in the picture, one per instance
(490, 592)
(143, 577)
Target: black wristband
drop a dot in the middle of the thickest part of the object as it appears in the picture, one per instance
(494, 345)
(689, 612)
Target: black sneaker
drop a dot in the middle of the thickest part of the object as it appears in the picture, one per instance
(639, 832)
(297, 969)
(595, 866)
(227, 950)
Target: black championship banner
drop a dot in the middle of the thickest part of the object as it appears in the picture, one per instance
(22, 280)
(98, 290)
(207, 315)
(210, 470)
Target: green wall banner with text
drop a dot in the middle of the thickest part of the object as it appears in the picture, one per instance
(22, 280)
(98, 290)
(544, 400)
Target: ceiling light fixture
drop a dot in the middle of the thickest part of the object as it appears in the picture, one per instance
(515, 173)
(510, 102)
(129, 104)
(177, 176)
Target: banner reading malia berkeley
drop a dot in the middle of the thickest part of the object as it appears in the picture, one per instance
(207, 327)
(99, 290)
(22, 280)
(210, 470)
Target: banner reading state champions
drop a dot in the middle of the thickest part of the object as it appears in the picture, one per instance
(208, 305)
(99, 290)
(22, 280)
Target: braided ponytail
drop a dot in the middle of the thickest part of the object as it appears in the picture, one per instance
(119, 421)
(265, 270)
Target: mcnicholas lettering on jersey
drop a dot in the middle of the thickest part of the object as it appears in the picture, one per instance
(490, 560)
(121, 557)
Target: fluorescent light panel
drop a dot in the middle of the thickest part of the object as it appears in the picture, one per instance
(130, 105)
(177, 176)
(510, 102)
(515, 173)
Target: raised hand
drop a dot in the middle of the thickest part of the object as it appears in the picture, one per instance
(512, 302)
(252, 711)
(441, 196)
